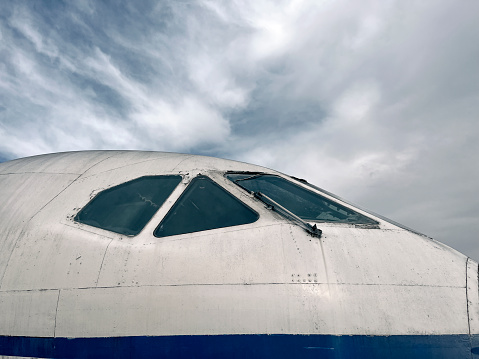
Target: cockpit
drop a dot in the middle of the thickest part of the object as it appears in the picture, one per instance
(205, 205)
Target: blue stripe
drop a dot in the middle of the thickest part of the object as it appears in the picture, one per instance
(246, 346)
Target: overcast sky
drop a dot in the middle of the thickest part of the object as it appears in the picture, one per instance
(376, 101)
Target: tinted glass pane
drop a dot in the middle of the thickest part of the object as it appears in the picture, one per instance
(204, 205)
(303, 203)
(127, 208)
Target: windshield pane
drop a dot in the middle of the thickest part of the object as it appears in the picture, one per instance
(305, 204)
(127, 208)
(204, 205)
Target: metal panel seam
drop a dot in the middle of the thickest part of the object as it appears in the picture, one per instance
(44, 173)
(226, 284)
(113, 169)
(56, 313)
(63, 190)
(183, 160)
(101, 265)
(467, 306)
(467, 298)
(235, 284)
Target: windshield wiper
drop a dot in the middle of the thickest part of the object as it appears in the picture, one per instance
(248, 178)
(275, 206)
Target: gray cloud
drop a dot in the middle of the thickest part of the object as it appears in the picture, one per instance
(376, 101)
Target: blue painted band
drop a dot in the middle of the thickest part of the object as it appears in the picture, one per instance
(245, 346)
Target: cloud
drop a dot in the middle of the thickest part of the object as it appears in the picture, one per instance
(79, 96)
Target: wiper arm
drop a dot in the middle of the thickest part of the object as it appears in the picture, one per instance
(275, 206)
(248, 178)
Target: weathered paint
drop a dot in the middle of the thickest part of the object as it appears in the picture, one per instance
(263, 289)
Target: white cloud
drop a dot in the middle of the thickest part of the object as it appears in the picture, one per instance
(215, 82)
(23, 22)
(356, 104)
(182, 125)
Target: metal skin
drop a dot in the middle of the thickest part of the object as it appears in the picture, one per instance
(267, 289)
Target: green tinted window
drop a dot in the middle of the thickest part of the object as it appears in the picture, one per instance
(307, 205)
(204, 205)
(127, 208)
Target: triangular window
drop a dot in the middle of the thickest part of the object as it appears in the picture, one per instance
(204, 205)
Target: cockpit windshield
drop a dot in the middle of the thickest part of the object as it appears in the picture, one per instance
(305, 204)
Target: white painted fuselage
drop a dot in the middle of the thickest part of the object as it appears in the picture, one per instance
(79, 289)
